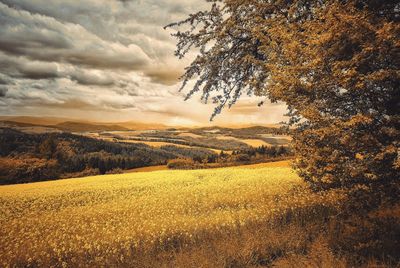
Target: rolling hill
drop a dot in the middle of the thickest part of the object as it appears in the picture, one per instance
(200, 218)
(77, 125)
(87, 127)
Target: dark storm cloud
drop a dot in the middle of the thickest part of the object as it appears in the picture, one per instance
(3, 90)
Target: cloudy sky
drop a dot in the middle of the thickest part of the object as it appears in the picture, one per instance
(103, 60)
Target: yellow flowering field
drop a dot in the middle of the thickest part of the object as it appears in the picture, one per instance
(107, 219)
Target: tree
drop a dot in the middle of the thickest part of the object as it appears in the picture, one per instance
(102, 166)
(334, 63)
(47, 147)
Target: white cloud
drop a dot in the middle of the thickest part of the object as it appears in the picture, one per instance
(102, 59)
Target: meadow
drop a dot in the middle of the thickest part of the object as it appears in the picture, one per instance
(161, 218)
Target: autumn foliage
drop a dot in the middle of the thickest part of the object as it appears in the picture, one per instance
(334, 63)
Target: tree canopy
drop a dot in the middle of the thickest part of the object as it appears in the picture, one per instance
(334, 63)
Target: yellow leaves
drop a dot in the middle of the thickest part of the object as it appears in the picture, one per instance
(327, 178)
(310, 112)
(389, 32)
(359, 120)
(359, 156)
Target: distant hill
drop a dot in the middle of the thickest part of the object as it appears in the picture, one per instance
(245, 132)
(34, 120)
(85, 127)
(79, 125)
(64, 126)
(141, 126)
(16, 124)
(76, 125)
(28, 157)
(239, 126)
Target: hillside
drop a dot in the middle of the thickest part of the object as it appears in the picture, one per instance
(172, 218)
(132, 125)
(78, 125)
(249, 216)
(141, 125)
(35, 120)
(70, 126)
(29, 153)
(26, 157)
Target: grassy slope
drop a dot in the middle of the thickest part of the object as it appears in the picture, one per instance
(221, 217)
(285, 164)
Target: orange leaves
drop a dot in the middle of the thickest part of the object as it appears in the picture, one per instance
(389, 32)
(334, 63)
(359, 119)
(359, 156)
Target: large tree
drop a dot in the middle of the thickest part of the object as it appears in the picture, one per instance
(334, 63)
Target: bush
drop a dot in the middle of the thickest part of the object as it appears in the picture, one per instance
(241, 158)
(115, 171)
(181, 163)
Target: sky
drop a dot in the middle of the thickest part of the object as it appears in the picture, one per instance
(105, 61)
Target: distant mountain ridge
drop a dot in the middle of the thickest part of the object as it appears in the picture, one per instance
(86, 127)
(78, 125)
(72, 125)
(66, 126)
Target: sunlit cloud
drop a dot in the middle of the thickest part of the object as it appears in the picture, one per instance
(104, 60)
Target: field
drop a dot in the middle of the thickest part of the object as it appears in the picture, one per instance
(203, 218)
(216, 139)
(250, 142)
(256, 143)
(159, 144)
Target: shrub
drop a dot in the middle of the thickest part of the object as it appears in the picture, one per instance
(181, 163)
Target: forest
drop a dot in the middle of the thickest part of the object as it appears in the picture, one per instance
(35, 157)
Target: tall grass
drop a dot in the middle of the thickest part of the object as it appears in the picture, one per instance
(230, 217)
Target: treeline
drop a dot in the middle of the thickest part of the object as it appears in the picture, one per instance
(204, 142)
(207, 137)
(244, 132)
(36, 157)
(239, 157)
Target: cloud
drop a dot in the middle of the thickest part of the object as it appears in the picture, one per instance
(3, 90)
(92, 78)
(164, 75)
(103, 59)
(20, 67)
(46, 39)
(34, 70)
(5, 79)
